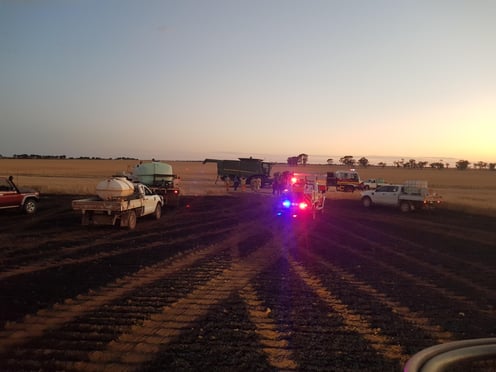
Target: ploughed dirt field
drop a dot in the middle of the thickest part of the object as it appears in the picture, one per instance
(222, 282)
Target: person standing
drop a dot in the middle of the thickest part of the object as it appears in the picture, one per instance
(227, 180)
(236, 183)
(275, 186)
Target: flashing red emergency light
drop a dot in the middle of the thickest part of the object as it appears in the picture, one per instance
(303, 205)
(294, 179)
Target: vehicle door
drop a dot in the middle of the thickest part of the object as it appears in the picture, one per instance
(150, 200)
(387, 195)
(9, 196)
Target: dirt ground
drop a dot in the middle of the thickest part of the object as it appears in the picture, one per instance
(221, 282)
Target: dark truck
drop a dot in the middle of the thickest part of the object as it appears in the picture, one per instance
(159, 177)
(249, 168)
(12, 196)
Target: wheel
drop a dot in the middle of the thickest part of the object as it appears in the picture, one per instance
(85, 219)
(30, 206)
(366, 202)
(131, 222)
(158, 212)
(405, 207)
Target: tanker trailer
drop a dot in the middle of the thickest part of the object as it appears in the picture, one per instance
(158, 176)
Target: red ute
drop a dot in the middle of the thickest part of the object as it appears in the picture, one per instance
(13, 197)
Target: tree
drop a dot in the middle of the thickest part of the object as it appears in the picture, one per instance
(492, 166)
(421, 164)
(330, 161)
(381, 164)
(411, 164)
(462, 164)
(347, 160)
(480, 165)
(364, 162)
(437, 165)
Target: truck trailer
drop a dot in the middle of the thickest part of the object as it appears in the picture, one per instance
(159, 177)
(249, 168)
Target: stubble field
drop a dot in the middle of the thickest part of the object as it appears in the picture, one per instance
(469, 191)
(221, 283)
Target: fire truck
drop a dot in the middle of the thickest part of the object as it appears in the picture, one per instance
(304, 194)
(347, 181)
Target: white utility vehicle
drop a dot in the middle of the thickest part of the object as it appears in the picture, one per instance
(119, 200)
(373, 183)
(413, 195)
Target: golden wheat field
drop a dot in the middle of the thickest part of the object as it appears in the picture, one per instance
(468, 190)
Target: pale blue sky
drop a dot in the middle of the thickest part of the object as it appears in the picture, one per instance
(186, 80)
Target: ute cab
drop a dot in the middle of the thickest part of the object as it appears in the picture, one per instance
(13, 197)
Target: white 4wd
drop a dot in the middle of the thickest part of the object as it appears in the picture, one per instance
(410, 196)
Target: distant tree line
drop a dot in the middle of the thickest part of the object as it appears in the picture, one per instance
(36, 156)
(350, 161)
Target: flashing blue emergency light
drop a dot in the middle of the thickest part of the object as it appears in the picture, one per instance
(286, 203)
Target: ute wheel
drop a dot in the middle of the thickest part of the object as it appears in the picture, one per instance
(131, 222)
(405, 207)
(85, 219)
(158, 212)
(30, 206)
(366, 202)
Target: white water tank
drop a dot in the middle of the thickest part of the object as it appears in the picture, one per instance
(114, 188)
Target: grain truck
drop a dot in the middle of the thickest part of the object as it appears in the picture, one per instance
(249, 168)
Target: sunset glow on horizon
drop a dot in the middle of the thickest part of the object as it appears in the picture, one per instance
(190, 80)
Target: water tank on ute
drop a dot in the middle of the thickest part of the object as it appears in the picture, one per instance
(114, 188)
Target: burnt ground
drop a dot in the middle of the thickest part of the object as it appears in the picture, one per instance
(221, 282)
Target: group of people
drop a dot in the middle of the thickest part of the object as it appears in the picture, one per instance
(241, 182)
(280, 182)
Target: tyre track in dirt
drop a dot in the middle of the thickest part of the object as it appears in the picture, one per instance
(432, 299)
(451, 231)
(410, 252)
(353, 321)
(95, 251)
(107, 260)
(179, 315)
(68, 242)
(71, 308)
(263, 294)
(335, 273)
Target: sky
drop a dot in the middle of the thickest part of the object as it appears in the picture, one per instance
(188, 80)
